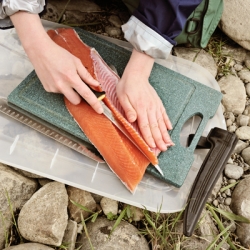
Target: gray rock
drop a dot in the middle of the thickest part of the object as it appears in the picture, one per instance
(125, 236)
(234, 94)
(238, 53)
(233, 21)
(238, 67)
(83, 198)
(109, 206)
(247, 60)
(113, 31)
(44, 217)
(246, 155)
(242, 120)
(248, 88)
(70, 235)
(228, 201)
(232, 128)
(243, 133)
(136, 213)
(240, 146)
(96, 197)
(198, 56)
(233, 171)
(29, 246)
(27, 174)
(15, 191)
(241, 206)
(244, 75)
(44, 181)
(115, 20)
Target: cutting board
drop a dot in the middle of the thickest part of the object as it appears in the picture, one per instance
(181, 96)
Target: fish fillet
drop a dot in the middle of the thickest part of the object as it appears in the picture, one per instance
(122, 156)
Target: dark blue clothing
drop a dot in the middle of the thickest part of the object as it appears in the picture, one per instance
(166, 17)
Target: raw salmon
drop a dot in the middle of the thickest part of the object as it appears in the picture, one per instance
(122, 156)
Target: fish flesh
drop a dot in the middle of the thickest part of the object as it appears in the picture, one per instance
(121, 155)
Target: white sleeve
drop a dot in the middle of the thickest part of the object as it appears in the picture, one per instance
(146, 40)
(9, 7)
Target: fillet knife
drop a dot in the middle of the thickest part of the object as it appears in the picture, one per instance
(108, 113)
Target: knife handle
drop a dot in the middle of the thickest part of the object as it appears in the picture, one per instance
(222, 144)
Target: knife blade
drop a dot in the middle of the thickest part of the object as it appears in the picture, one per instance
(108, 113)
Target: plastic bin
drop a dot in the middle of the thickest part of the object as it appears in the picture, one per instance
(24, 148)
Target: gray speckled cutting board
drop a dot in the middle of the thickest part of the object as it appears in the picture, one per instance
(181, 96)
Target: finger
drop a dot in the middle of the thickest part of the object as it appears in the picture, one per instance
(84, 91)
(143, 123)
(128, 109)
(166, 119)
(156, 131)
(163, 129)
(71, 95)
(85, 75)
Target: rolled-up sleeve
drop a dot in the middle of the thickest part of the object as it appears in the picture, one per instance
(9, 7)
(156, 23)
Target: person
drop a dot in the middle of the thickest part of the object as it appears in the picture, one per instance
(151, 30)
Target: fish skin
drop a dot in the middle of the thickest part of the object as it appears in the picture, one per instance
(122, 156)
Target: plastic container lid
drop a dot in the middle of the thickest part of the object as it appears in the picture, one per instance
(24, 148)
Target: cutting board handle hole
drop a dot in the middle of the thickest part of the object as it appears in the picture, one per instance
(189, 127)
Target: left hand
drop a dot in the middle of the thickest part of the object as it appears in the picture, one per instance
(141, 102)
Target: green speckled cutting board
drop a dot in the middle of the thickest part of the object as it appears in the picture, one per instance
(181, 96)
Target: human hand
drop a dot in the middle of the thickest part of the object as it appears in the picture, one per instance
(58, 70)
(141, 102)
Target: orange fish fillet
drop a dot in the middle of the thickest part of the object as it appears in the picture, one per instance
(122, 156)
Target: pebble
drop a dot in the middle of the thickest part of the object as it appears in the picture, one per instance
(243, 133)
(115, 20)
(228, 201)
(238, 67)
(232, 128)
(109, 206)
(113, 31)
(242, 120)
(215, 203)
(246, 155)
(233, 171)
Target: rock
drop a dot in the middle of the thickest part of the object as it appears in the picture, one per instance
(206, 228)
(244, 75)
(240, 146)
(198, 56)
(248, 88)
(241, 206)
(233, 21)
(113, 31)
(70, 235)
(29, 246)
(234, 94)
(15, 191)
(109, 206)
(228, 201)
(233, 171)
(125, 236)
(242, 120)
(136, 213)
(96, 197)
(232, 128)
(246, 155)
(238, 53)
(243, 133)
(44, 181)
(83, 198)
(115, 20)
(27, 174)
(230, 116)
(44, 217)
(247, 60)
(238, 67)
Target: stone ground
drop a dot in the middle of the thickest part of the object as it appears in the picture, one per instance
(229, 64)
